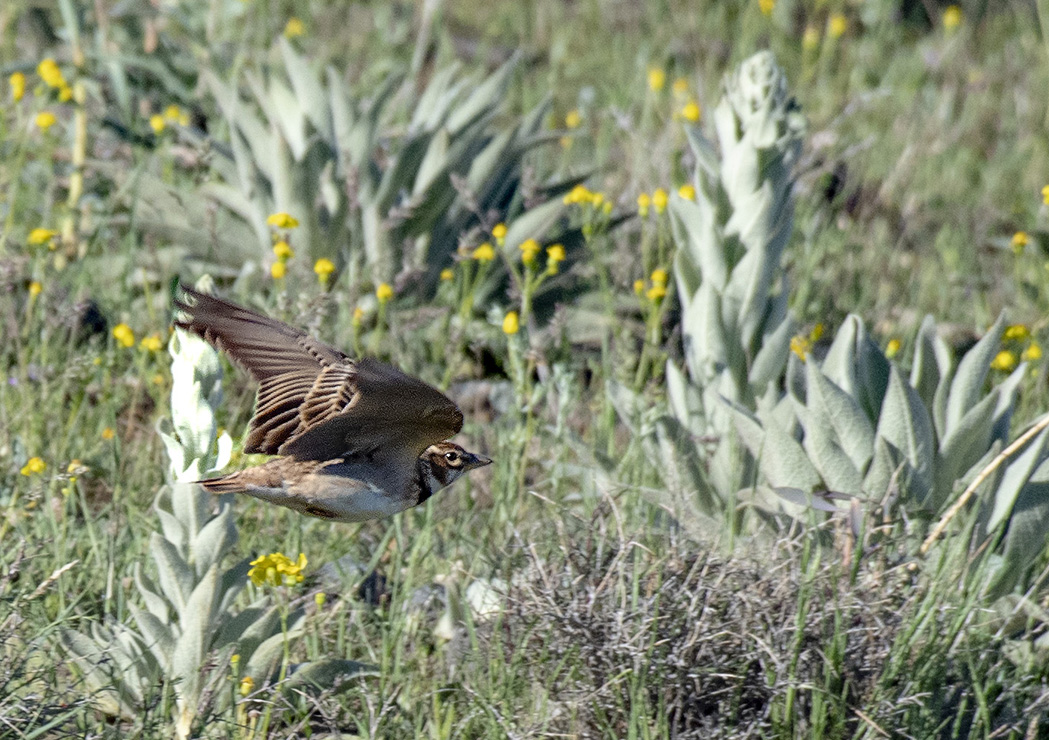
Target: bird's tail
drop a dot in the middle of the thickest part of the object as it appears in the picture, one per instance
(224, 484)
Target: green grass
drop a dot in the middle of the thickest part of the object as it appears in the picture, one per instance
(926, 151)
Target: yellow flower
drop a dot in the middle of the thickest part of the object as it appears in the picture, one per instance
(45, 120)
(511, 323)
(1016, 332)
(810, 39)
(1045, 194)
(573, 119)
(657, 79)
(659, 200)
(766, 6)
(358, 315)
(324, 268)
(529, 250)
(1032, 353)
(75, 466)
(65, 94)
(799, 345)
(660, 277)
(278, 270)
(158, 379)
(596, 199)
(555, 253)
(108, 433)
(124, 335)
(152, 343)
(33, 466)
(817, 332)
(639, 287)
(499, 233)
(247, 685)
(681, 86)
(277, 569)
(952, 17)
(35, 289)
(283, 251)
(578, 194)
(484, 253)
(282, 220)
(319, 598)
(688, 192)
(50, 73)
(691, 112)
(17, 83)
(643, 202)
(447, 274)
(1019, 241)
(837, 25)
(234, 661)
(294, 27)
(174, 114)
(656, 293)
(1004, 361)
(384, 293)
(893, 348)
(40, 236)
(157, 123)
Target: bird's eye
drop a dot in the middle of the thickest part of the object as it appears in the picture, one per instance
(452, 457)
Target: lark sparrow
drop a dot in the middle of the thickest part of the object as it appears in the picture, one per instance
(357, 439)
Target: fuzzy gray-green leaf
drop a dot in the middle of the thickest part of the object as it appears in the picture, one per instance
(967, 385)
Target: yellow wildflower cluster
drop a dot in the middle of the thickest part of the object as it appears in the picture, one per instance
(1045, 194)
(173, 114)
(656, 290)
(573, 119)
(952, 17)
(277, 569)
(582, 196)
(45, 120)
(659, 199)
(657, 79)
(484, 253)
(511, 323)
(384, 292)
(447, 274)
(294, 28)
(837, 25)
(35, 288)
(893, 348)
(40, 236)
(691, 112)
(767, 6)
(16, 81)
(1018, 346)
(152, 343)
(281, 249)
(529, 251)
(801, 345)
(1019, 242)
(687, 192)
(499, 233)
(33, 466)
(124, 335)
(555, 255)
(51, 74)
(323, 268)
(282, 220)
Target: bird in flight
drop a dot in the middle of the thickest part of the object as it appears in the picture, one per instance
(356, 439)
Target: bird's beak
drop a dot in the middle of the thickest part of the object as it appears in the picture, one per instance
(476, 461)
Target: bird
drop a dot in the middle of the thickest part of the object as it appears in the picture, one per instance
(355, 439)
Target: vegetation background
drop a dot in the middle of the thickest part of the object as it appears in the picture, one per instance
(495, 196)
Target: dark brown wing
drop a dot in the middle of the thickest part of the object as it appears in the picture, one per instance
(370, 409)
(286, 362)
(314, 403)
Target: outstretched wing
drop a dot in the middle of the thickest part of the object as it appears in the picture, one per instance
(370, 409)
(314, 403)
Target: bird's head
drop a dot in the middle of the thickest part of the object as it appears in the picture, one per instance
(444, 462)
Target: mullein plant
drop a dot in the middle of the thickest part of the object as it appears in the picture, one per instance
(190, 649)
(400, 177)
(731, 225)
